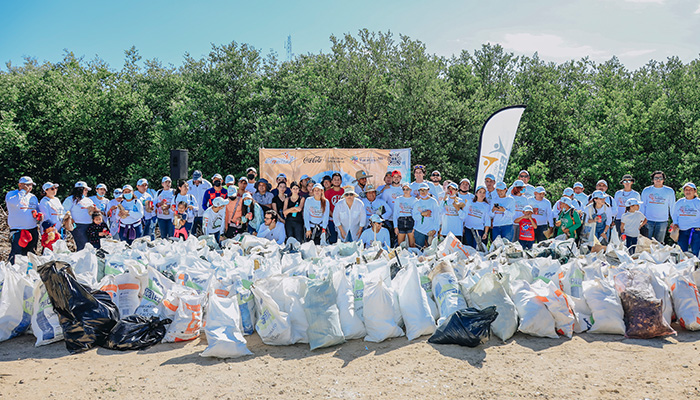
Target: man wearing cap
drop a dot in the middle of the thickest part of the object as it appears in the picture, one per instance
(542, 213)
(361, 180)
(657, 205)
(113, 212)
(463, 193)
(426, 217)
(349, 216)
(436, 189)
(686, 218)
(527, 189)
(334, 195)
(272, 229)
(198, 187)
(602, 186)
(375, 233)
(216, 191)
(304, 189)
(502, 212)
(621, 197)
(569, 193)
(130, 216)
(81, 208)
(386, 185)
(213, 219)
(281, 178)
(100, 199)
(419, 173)
(148, 201)
(50, 206)
(251, 174)
(375, 205)
(22, 217)
(394, 191)
(579, 194)
(490, 184)
(164, 208)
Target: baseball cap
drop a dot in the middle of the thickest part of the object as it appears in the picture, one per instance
(317, 186)
(518, 183)
(465, 180)
(501, 186)
(396, 172)
(242, 179)
(603, 181)
(540, 189)
(247, 195)
(598, 194)
(166, 179)
(117, 192)
(527, 208)
(230, 179)
(633, 202)
(405, 184)
(304, 177)
(100, 186)
(578, 185)
(423, 186)
(197, 175)
(479, 188)
(568, 192)
(490, 176)
(142, 181)
(251, 169)
(453, 185)
(217, 176)
(81, 184)
(375, 218)
(125, 187)
(567, 201)
(219, 201)
(690, 185)
(523, 172)
(626, 177)
(281, 175)
(48, 185)
(26, 180)
(436, 172)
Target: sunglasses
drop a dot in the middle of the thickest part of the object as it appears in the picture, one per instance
(658, 178)
(435, 175)
(524, 176)
(419, 167)
(627, 181)
(406, 189)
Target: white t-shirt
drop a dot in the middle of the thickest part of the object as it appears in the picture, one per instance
(20, 205)
(391, 194)
(213, 222)
(198, 193)
(52, 210)
(144, 198)
(632, 222)
(135, 209)
(191, 201)
(621, 198)
(100, 203)
(658, 203)
(167, 197)
(80, 210)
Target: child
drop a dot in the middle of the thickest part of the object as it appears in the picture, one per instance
(50, 236)
(526, 228)
(179, 221)
(632, 220)
(213, 218)
(97, 230)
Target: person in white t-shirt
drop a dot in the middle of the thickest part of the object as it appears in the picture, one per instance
(113, 212)
(198, 186)
(527, 189)
(580, 195)
(657, 206)
(214, 218)
(51, 207)
(436, 189)
(148, 200)
(251, 174)
(100, 200)
(22, 216)
(164, 208)
(81, 208)
(272, 229)
(621, 197)
(631, 222)
(130, 215)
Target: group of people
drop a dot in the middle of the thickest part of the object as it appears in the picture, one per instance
(391, 213)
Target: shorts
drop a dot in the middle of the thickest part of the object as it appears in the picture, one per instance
(405, 224)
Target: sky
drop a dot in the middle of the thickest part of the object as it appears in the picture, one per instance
(635, 31)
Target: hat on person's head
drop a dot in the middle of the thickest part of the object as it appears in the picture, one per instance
(453, 186)
(247, 195)
(490, 176)
(117, 192)
(465, 180)
(48, 185)
(540, 189)
(317, 186)
(142, 181)
(349, 190)
(690, 185)
(568, 192)
(436, 172)
(263, 180)
(523, 172)
(166, 179)
(403, 185)
(376, 218)
(567, 201)
(197, 175)
(219, 201)
(528, 208)
(479, 188)
(361, 174)
(423, 186)
(396, 172)
(598, 194)
(626, 177)
(518, 183)
(46, 225)
(281, 175)
(251, 169)
(501, 186)
(26, 180)
(304, 177)
(603, 181)
(82, 184)
(230, 179)
(101, 186)
(127, 187)
(370, 188)
(243, 179)
(217, 176)
(578, 185)
(633, 202)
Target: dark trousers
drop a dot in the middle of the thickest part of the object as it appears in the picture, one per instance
(295, 229)
(17, 249)
(197, 227)
(80, 236)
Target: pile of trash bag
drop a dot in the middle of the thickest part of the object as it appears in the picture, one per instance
(130, 297)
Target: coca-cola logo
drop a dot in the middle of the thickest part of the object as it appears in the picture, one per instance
(313, 160)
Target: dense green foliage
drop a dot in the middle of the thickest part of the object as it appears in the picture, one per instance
(79, 119)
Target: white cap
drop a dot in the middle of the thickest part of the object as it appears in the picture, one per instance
(540, 189)
(527, 208)
(166, 179)
(219, 201)
(317, 186)
(26, 180)
(125, 187)
(578, 185)
(490, 176)
(142, 181)
(100, 186)
(48, 185)
(216, 176)
(251, 169)
(501, 186)
(82, 184)
(518, 183)
(633, 202)
(230, 179)
(117, 192)
(603, 181)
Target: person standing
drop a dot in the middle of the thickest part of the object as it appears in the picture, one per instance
(216, 191)
(569, 192)
(569, 220)
(602, 186)
(402, 215)
(632, 221)
(451, 214)
(436, 189)
(419, 174)
(477, 219)
(182, 194)
(316, 214)
(361, 180)
(198, 187)
(293, 210)
(349, 216)
(426, 214)
(251, 174)
(148, 200)
(502, 212)
(334, 195)
(100, 199)
(521, 201)
(304, 189)
(164, 208)
(686, 218)
(580, 195)
(394, 191)
(374, 205)
(464, 187)
(130, 216)
(621, 197)
(113, 213)
(490, 184)
(527, 189)
(542, 213)
(81, 208)
(50, 206)
(280, 195)
(281, 178)
(657, 206)
(600, 213)
(22, 216)
(262, 196)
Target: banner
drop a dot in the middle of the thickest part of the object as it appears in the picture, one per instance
(496, 142)
(320, 162)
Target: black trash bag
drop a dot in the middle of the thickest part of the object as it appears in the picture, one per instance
(136, 332)
(468, 327)
(86, 316)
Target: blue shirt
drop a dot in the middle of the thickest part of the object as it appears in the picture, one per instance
(367, 237)
(658, 203)
(503, 218)
(686, 213)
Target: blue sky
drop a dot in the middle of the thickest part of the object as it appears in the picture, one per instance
(634, 30)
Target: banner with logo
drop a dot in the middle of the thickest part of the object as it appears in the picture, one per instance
(320, 162)
(496, 142)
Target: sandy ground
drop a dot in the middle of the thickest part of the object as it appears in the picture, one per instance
(588, 366)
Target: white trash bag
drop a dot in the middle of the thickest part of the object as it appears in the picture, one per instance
(379, 312)
(414, 304)
(222, 329)
(605, 305)
(489, 292)
(535, 319)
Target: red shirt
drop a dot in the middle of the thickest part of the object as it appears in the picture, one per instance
(333, 196)
(527, 230)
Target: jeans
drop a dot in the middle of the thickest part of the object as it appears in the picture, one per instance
(527, 244)
(166, 227)
(295, 229)
(348, 238)
(516, 233)
(691, 235)
(468, 237)
(629, 242)
(539, 233)
(421, 239)
(124, 234)
(332, 233)
(196, 227)
(80, 236)
(504, 231)
(17, 249)
(657, 230)
(618, 224)
(148, 228)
